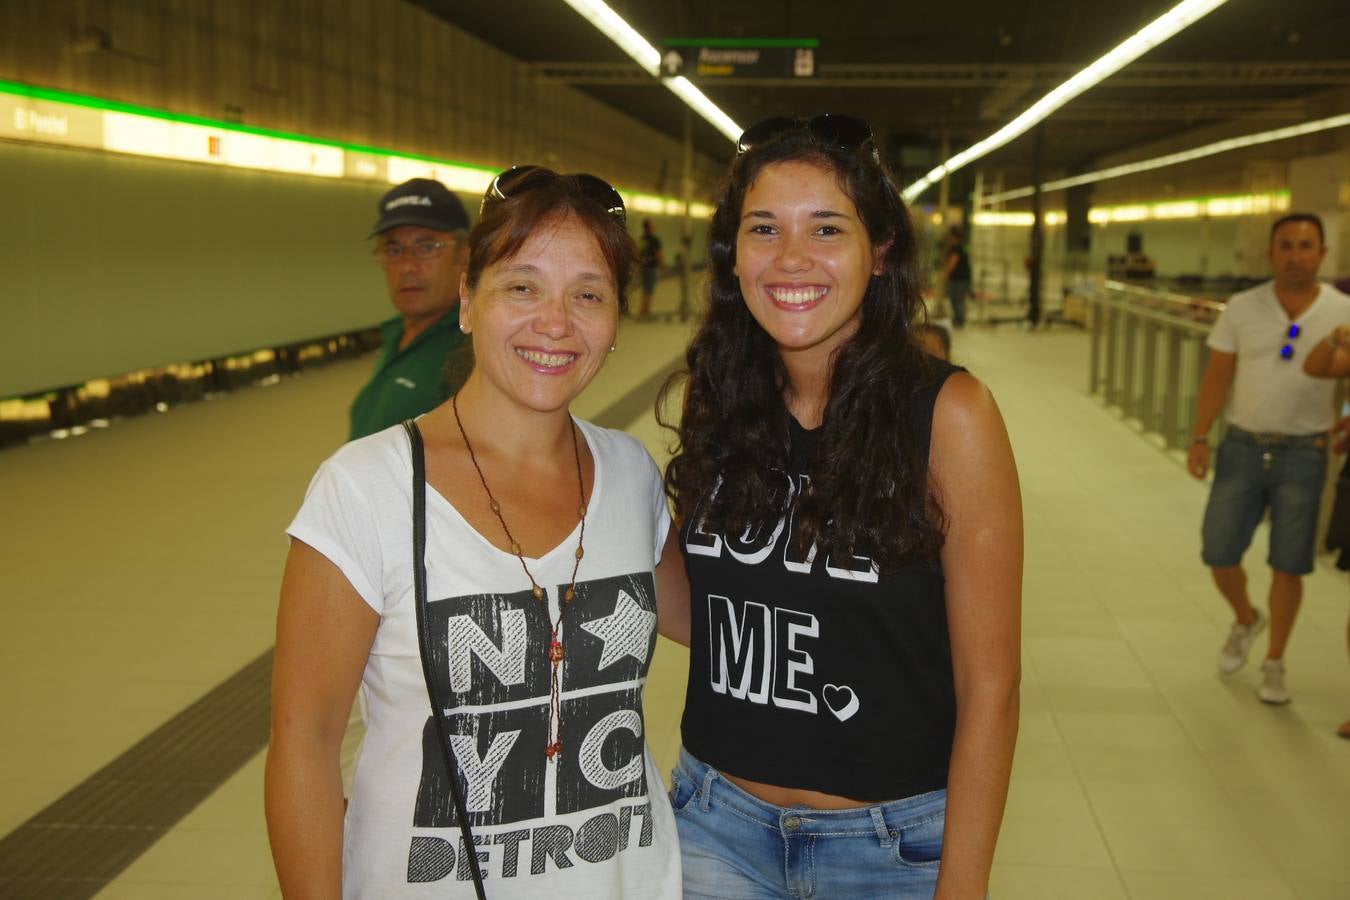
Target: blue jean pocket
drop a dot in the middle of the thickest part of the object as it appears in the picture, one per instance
(682, 791)
(919, 843)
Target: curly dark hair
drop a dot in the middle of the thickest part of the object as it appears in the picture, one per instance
(869, 490)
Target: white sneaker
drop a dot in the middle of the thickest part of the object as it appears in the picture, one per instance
(1233, 656)
(1272, 689)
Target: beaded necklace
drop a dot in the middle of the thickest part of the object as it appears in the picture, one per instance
(555, 647)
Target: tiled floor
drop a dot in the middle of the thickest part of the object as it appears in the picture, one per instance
(139, 568)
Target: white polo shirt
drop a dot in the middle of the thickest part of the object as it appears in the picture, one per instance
(1271, 393)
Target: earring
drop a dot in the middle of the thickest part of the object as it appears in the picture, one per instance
(613, 347)
(464, 328)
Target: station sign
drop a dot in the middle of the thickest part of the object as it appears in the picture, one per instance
(713, 58)
(25, 119)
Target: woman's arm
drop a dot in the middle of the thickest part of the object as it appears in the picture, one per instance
(972, 466)
(324, 634)
(1330, 358)
(672, 590)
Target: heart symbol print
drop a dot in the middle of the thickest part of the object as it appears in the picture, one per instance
(841, 700)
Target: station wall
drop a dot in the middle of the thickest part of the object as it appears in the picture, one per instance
(114, 263)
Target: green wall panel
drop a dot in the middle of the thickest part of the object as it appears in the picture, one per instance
(112, 264)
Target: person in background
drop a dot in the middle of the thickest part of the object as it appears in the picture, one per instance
(1274, 454)
(956, 276)
(420, 240)
(545, 540)
(936, 341)
(852, 531)
(650, 261)
(1331, 359)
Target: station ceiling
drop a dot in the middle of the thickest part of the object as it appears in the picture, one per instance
(925, 73)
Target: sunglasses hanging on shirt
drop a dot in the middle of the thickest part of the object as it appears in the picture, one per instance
(1287, 351)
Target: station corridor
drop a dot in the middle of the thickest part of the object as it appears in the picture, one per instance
(143, 561)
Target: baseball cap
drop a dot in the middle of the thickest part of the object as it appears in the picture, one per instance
(424, 202)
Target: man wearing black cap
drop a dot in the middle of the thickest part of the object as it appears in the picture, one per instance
(420, 239)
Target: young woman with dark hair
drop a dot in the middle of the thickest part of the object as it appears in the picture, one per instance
(851, 523)
(533, 626)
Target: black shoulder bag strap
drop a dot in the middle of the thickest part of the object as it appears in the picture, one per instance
(419, 467)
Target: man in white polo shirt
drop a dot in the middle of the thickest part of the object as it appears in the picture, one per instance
(1274, 455)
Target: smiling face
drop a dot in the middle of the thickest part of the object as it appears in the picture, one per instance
(804, 260)
(542, 321)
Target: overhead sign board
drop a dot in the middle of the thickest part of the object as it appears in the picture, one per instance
(739, 58)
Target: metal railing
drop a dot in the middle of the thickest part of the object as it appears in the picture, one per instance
(1148, 355)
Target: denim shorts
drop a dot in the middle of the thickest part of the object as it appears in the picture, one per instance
(737, 847)
(1252, 474)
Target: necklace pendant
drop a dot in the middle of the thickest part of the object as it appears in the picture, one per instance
(538, 593)
(555, 652)
(553, 749)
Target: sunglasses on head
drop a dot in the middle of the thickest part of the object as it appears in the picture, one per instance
(844, 132)
(519, 180)
(1287, 351)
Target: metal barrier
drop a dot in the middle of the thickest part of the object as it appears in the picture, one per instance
(1148, 355)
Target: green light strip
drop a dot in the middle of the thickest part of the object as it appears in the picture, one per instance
(14, 88)
(34, 92)
(737, 43)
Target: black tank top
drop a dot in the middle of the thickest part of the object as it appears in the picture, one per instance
(814, 673)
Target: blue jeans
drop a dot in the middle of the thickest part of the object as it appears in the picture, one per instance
(1250, 474)
(737, 847)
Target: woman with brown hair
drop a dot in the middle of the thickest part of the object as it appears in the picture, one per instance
(486, 577)
(851, 523)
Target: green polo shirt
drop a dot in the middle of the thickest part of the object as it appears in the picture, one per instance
(410, 381)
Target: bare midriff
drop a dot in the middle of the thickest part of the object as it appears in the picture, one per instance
(782, 796)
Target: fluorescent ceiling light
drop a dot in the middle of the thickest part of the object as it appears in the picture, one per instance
(612, 25)
(1172, 159)
(1199, 207)
(684, 89)
(1136, 45)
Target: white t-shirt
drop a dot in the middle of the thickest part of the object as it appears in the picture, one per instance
(1271, 393)
(595, 822)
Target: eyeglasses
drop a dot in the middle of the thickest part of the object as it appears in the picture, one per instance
(519, 180)
(392, 251)
(1287, 351)
(844, 132)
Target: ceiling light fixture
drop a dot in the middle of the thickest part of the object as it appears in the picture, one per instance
(1136, 45)
(613, 26)
(1172, 159)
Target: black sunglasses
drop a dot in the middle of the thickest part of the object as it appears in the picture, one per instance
(519, 180)
(844, 132)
